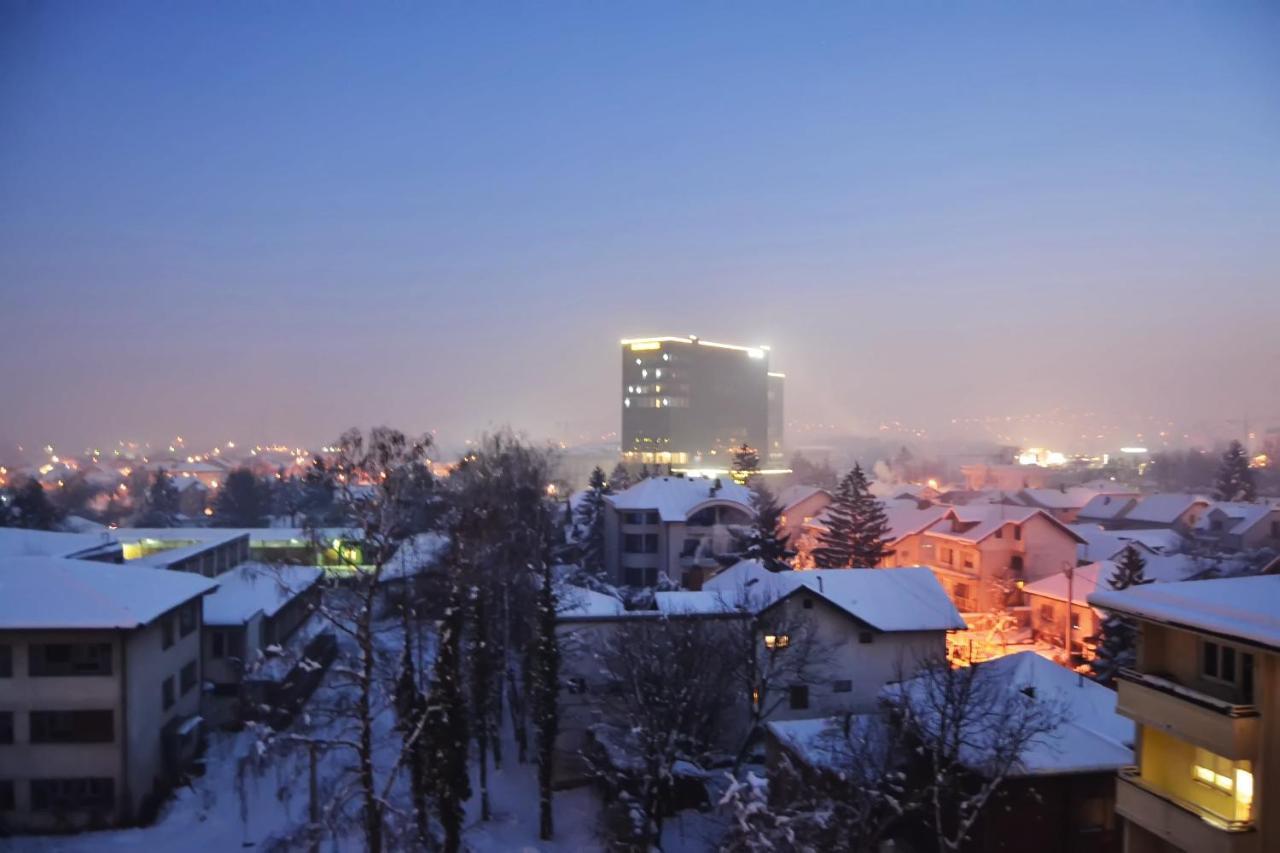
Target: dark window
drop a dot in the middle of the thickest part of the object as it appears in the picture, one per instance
(842, 687)
(187, 618)
(807, 604)
(651, 518)
(632, 543)
(690, 547)
(187, 678)
(865, 637)
(166, 693)
(1046, 613)
(218, 645)
(799, 697)
(58, 795)
(968, 560)
(1228, 669)
(1210, 664)
(1015, 563)
(6, 660)
(166, 627)
(1246, 677)
(651, 543)
(8, 801)
(72, 726)
(632, 518)
(51, 659)
(999, 532)
(1017, 532)
(703, 518)
(651, 576)
(6, 727)
(1216, 525)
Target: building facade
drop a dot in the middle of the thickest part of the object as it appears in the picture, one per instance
(1205, 693)
(688, 403)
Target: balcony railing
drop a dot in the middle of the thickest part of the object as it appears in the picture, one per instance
(1225, 728)
(1189, 826)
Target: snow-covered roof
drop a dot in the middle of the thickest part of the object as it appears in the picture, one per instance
(19, 542)
(1074, 497)
(1236, 518)
(253, 587)
(257, 535)
(676, 498)
(1102, 544)
(904, 518)
(1093, 738)
(415, 554)
(577, 602)
(57, 593)
(1107, 507)
(1081, 585)
(1163, 509)
(690, 603)
(906, 599)
(1244, 608)
(973, 523)
(792, 495)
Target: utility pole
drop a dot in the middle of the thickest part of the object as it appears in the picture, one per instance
(1070, 572)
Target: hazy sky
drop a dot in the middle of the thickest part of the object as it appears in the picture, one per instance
(274, 220)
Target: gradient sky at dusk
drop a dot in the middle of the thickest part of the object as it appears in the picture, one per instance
(276, 220)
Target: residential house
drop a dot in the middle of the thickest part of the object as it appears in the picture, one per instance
(1060, 796)
(1239, 526)
(1173, 510)
(801, 505)
(99, 690)
(1205, 693)
(1102, 544)
(905, 518)
(1065, 504)
(674, 527)
(1107, 508)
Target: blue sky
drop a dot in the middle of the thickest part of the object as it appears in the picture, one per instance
(276, 220)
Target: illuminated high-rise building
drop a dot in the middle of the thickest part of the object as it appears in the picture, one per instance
(688, 402)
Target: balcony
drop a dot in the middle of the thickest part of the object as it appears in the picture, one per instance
(1180, 823)
(1221, 727)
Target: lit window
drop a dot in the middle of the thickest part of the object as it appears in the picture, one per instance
(1215, 771)
(666, 356)
(627, 402)
(644, 374)
(637, 361)
(778, 641)
(658, 373)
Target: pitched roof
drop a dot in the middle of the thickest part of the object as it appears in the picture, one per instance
(792, 495)
(1244, 608)
(1240, 517)
(1102, 544)
(1162, 508)
(51, 592)
(676, 497)
(1081, 585)
(904, 517)
(253, 587)
(19, 542)
(1074, 497)
(578, 602)
(1107, 507)
(906, 599)
(975, 522)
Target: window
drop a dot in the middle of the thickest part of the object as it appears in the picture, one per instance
(842, 686)
(632, 543)
(58, 795)
(999, 532)
(777, 641)
(1017, 532)
(6, 727)
(187, 678)
(866, 637)
(799, 697)
(633, 518)
(1230, 777)
(647, 576)
(72, 726)
(218, 645)
(961, 594)
(1046, 613)
(166, 628)
(807, 604)
(651, 517)
(1218, 662)
(166, 693)
(6, 660)
(968, 559)
(8, 802)
(188, 616)
(56, 659)
(948, 556)
(1075, 619)
(1015, 564)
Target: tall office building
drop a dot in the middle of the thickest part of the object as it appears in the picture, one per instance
(687, 402)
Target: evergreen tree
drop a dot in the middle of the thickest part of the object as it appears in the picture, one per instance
(161, 506)
(318, 488)
(1118, 646)
(1235, 479)
(856, 526)
(483, 671)
(764, 541)
(411, 709)
(746, 463)
(546, 690)
(447, 724)
(590, 523)
(29, 507)
(620, 479)
(242, 501)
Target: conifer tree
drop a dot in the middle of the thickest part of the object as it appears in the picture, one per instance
(620, 478)
(590, 523)
(1235, 479)
(546, 690)
(243, 501)
(1118, 646)
(856, 526)
(484, 669)
(764, 541)
(161, 506)
(746, 463)
(447, 723)
(29, 507)
(411, 707)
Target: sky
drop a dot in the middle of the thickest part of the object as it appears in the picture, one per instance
(274, 221)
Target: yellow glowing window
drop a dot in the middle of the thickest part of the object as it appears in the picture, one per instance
(779, 641)
(1214, 770)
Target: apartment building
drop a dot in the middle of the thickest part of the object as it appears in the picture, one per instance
(99, 690)
(1205, 693)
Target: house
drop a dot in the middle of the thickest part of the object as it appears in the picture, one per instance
(1205, 694)
(250, 617)
(1060, 793)
(1064, 503)
(800, 505)
(980, 551)
(672, 527)
(1175, 510)
(905, 518)
(1239, 526)
(100, 678)
(1102, 544)
(1104, 508)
